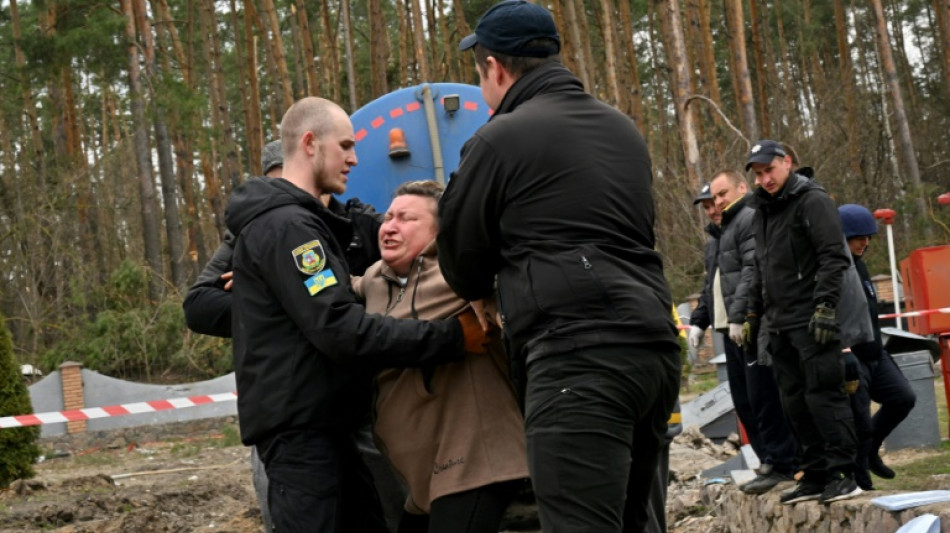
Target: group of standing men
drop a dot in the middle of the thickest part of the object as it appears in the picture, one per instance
(553, 210)
(784, 289)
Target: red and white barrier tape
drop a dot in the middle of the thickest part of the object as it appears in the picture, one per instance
(88, 413)
(944, 310)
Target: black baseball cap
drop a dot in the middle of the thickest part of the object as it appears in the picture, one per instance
(704, 194)
(508, 26)
(765, 151)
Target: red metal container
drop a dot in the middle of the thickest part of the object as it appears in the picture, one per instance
(926, 273)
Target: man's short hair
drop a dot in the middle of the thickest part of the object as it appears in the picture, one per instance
(517, 66)
(307, 114)
(735, 177)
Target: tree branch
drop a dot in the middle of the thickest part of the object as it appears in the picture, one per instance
(721, 114)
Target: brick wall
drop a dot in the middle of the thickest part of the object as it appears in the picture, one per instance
(71, 374)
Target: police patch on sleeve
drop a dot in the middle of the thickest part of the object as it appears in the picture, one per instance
(310, 257)
(318, 282)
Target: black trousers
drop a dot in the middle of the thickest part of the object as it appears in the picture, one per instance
(318, 483)
(883, 382)
(595, 422)
(478, 510)
(756, 399)
(810, 377)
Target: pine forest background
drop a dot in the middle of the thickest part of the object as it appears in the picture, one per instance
(125, 124)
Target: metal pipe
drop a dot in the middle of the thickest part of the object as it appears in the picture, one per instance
(890, 251)
(429, 105)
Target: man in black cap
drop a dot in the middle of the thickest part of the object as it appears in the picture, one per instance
(801, 263)
(702, 317)
(553, 196)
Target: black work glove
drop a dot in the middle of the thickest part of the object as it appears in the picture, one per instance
(750, 333)
(823, 324)
(852, 372)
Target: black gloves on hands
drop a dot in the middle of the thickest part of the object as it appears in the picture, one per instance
(823, 324)
(852, 373)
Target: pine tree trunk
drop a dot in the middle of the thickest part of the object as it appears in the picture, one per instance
(378, 49)
(350, 62)
(405, 61)
(674, 42)
(150, 225)
(252, 108)
(36, 140)
(419, 43)
(330, 51)
(633, 68)
(708, 63)
(578, 57)
(309, 50)
(846, 72)
(739, 67)
(607, 17)
(761, 71)
(163, 146)
(942, 14)
(462, 29)
(276, 47)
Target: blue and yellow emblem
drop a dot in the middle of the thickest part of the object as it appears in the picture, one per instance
(310, 257)
(320, 281)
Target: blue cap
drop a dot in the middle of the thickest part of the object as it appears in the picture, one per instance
(764, 152)
(508, 26)
(857, 221)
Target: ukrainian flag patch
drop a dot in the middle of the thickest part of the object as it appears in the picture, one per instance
(319, 281)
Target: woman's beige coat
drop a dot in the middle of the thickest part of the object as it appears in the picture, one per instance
(453, 427)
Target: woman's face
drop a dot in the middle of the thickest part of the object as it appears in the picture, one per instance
(410, 225)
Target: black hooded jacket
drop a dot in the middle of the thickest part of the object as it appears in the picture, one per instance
(207, 305)
(799, 253)
(305, 351)
(554, 195)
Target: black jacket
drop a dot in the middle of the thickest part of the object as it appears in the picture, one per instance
(737, 258)
(554, 195)
(304, 349)
(702, 316)
(800, 259)
(208, 306)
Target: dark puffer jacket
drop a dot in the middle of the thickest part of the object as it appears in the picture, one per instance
(799, 255)
(737, 258)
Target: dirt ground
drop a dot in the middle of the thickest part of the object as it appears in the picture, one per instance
(204, 485)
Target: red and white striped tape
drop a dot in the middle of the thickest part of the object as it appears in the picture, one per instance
(944, 310)
(88, 413)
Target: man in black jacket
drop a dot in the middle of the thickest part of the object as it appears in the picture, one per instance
(702, 317)
(800, 268)
(752, 386)
(554, 196)
(305, 351)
